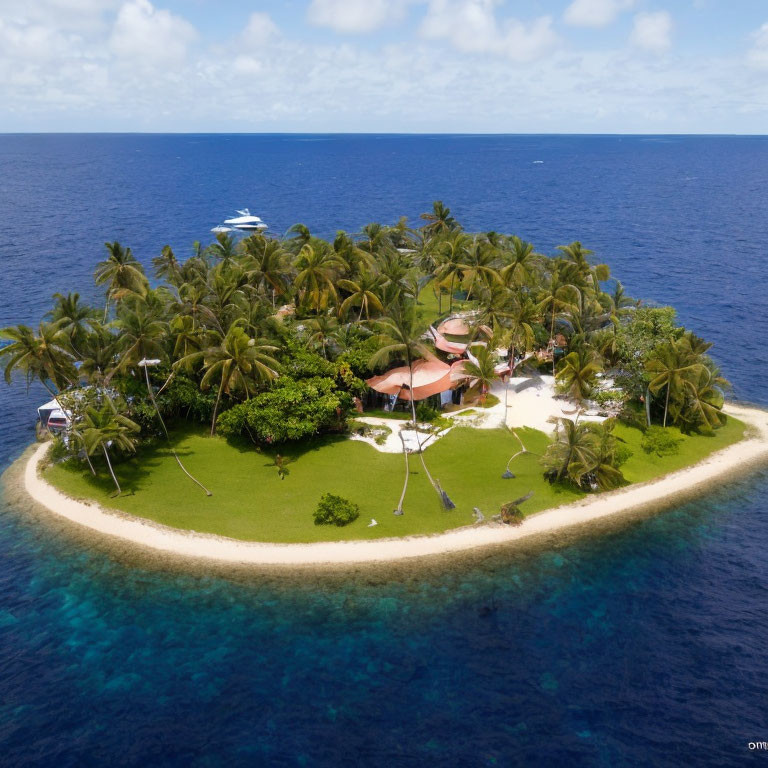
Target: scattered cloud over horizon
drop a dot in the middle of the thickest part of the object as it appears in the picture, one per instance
(758, 53)
(595, 13)
(356, 16)
(652, 31)
(348, 65)
(471, 26)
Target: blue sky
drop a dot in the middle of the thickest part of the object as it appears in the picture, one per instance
(586, 66)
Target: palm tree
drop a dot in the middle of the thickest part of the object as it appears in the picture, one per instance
(141, 335)
(673, 367)
(299, 237)
(237, 362)
(72, 318)
(401, 335)
(482, 371)
(522, 261)
(557, 296)
(365, 292)
(479, 263)
(97, 354)
(573, 454)
(453, 252)
(167, 266)
(577, 372)
(121, 272)
(323, 329)
(40, 356)
(105, 427)
(439, 219)
(704, 402)
(316, 278)
(224, 250)
(266, 265)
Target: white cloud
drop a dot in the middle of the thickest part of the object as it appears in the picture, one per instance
(758, 54)
(147, 37)
(259, 30)
(652, 31)
(356, 16)
(58, 76)
(595, 13)
(471, 26)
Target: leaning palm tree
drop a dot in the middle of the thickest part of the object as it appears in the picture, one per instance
(39, 356)
(577, 373)
(103, 428)
(401, 336)
(237, 362)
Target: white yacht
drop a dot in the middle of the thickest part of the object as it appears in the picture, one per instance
(245, 221)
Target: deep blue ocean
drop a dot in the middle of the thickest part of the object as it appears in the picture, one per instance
(645, 646)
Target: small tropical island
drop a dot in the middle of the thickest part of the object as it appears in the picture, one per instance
(394, 393)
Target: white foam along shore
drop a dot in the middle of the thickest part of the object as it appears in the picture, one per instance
(715, 469)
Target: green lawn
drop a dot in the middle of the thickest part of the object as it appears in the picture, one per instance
(429, 306)
(250, 500)
(693, 448)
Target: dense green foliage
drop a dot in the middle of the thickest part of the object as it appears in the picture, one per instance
(290, 410)
(271, 337)
(660, 441)
(335, 510)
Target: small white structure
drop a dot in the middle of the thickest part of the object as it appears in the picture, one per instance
(53, 417)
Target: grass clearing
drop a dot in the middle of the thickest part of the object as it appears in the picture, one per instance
(251, 502)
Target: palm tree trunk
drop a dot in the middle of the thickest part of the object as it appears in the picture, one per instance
(111, 471)
(407, 472)
(216, 407)
(552, 336)
(416, 427)
(450, 298)
(88, 459)
(666, 404)
(167, 437)
(648, 406)
(439, 299)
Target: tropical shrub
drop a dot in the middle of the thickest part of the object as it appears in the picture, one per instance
(290, 410)
(335, 510)
(660, 441)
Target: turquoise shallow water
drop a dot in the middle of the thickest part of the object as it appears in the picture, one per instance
(641, 646)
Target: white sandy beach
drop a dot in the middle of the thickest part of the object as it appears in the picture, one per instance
(717, 468)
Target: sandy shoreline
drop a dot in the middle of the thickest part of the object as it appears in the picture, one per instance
(665, 491)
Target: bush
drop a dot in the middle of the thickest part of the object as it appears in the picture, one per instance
(425, 412)
(291, 410)
(605, 396)
(660, 441)
(622, 454)
(335, 510)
